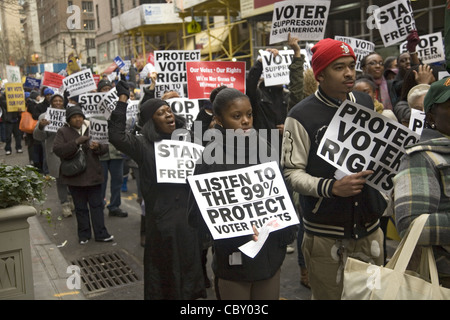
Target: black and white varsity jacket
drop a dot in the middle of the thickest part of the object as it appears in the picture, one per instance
(312, 177)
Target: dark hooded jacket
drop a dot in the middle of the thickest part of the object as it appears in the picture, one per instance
(172, 262)
(271, 257)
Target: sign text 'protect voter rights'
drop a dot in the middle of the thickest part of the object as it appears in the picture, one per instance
(231, 202)
(359, 139)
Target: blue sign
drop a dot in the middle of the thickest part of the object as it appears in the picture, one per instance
(118, 60)
(32, 83)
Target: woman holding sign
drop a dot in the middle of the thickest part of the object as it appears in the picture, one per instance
(172, 262)
(422, 184)
(239, 277)
(53, 162)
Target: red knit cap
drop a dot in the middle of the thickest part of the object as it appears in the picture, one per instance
(328, 50)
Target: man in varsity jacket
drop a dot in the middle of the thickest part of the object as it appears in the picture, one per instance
(340, 215)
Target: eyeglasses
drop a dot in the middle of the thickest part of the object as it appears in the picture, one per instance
(374, 63)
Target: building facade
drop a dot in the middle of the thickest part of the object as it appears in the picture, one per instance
(67, 27)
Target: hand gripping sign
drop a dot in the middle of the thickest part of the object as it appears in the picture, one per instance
(231, 202)
(359, 139)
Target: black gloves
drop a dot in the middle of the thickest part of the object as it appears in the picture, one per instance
(123, 88)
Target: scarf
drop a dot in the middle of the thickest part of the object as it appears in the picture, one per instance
(383, 93)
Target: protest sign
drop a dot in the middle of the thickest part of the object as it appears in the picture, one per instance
(361, 48)
(13, 74)
(15, 97)
(32, 83)
(276, 69)
(108, 103)
(175, 160)
(90, 103)
(52, 80)
(359, 139)
(132, 114)
(306, 19)
(231, 202)
(79, 83)
(119, 62)
(430, 48)
(161, 89)
(186, 108)
(395, 21)
(205, 76)
(417, 121)
(98, 130)
(171, 65)
(57, 119)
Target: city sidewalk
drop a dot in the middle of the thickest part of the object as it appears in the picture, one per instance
(49, 267)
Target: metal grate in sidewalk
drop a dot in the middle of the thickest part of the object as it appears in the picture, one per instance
(104, 271)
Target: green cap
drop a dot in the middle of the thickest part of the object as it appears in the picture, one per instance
(439, 92)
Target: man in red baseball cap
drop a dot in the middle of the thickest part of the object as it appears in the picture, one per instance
(340, 215)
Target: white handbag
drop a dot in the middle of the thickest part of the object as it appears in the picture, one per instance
(364, 281)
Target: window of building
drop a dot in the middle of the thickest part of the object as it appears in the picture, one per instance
(90, 44)
(89, 24)
(87, 6)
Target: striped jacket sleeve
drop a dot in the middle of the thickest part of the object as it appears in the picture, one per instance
(294, 160)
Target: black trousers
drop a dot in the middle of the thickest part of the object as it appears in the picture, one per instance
(88, 203)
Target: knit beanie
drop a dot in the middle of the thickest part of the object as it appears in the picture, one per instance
(104, 83)
(48, 91)
(73, 111)
(149, 108)
(328, 50)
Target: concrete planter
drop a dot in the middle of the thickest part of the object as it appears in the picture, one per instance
(16, 274)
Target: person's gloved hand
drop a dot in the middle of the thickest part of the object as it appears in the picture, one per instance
(123, 89)
(81, 140)
(413, 41)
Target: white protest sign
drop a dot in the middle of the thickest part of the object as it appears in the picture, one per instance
(276, 69)
(305, 19)
(57, 119)
(188, 108)
(430, 48)
(359, 139)
(90, 104)
(175, 160)
(361, 48)
(395, 21)
(171, 65)
(132, 114)
(98, 130)
(13, 74)
(80, 82)
(417, 121)
(161, 89)
(109, 103)
(231, 202)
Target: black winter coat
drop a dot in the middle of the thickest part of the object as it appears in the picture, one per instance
(172, 261)
(270, 258)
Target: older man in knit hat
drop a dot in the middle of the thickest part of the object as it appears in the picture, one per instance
(340, 215)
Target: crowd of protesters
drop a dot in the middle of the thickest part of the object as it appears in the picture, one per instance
(333, 224)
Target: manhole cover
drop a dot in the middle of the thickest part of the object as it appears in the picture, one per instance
(104, 270)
